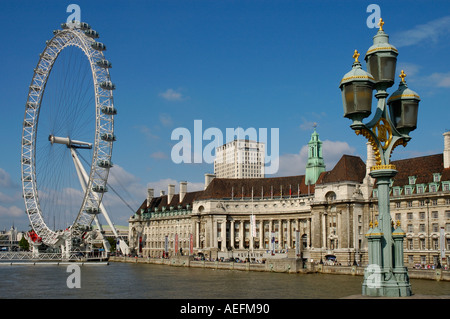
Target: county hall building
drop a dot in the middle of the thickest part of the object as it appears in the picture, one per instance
(322, 215)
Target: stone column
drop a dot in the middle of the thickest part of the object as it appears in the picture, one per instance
(223, 229)
(241, 234)
(280, 234)
(214, 234)
(270, 233)
(197, 234)
(308, 232)
(261, 234)
(288, 226)
(323, 225)
(232, 233)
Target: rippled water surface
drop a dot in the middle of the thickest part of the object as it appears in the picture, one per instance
(125, 281)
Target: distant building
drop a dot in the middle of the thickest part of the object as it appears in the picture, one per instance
(325, 220)
(9, 240)
(240, 159)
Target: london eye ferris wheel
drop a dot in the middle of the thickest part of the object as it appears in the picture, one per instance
(68, 135)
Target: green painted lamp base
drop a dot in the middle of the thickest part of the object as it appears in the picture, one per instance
(386, 283)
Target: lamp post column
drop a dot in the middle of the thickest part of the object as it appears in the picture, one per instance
(383, 177)
(385, 131)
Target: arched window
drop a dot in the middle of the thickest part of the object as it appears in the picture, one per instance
(330, 196)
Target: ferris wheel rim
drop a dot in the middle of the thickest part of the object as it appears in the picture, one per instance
(79, 36)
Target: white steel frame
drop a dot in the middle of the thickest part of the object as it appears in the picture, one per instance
(104, 126)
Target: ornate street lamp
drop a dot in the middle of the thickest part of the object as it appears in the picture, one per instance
(404, 107)
(386, 274)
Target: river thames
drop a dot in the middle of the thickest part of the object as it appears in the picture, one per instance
(149, 281)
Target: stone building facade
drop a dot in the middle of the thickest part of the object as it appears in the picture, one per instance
(279, 217)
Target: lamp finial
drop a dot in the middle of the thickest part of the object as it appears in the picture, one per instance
(402, 76)
(356, 55)
(380, 24)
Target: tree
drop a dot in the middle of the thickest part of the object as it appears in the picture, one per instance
(24, 245)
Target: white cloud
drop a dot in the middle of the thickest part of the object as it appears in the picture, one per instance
(171, 95)
(434, 80)
(159, 155)
(431, 31)
(441, 80)
(12, 211)
(147, 132)
(166, 120)
(410, 69)
(307, 125)
(295, 164)
(333, 151)
(5, 179)
(132, 193)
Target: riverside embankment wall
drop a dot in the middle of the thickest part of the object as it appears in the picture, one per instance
(286, 265)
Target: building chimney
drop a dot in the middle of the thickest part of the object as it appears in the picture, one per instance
(446, 149)
(183, 190)
(368, 182)
(170, 193)
(370, 158)
(208, 179)
(150, 195)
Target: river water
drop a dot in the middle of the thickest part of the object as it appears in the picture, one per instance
(149, 281)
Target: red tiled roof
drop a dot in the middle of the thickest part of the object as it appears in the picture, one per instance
(267, 187)
(422, 167)
(349, 168)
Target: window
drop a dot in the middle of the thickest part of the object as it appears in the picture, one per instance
(410, 228)
(422, 243)
(446, 187)
(436, 177)
(412, 180)
(422, 215)
(435, 228)
(410, 244)
(420, 189)
(435, 243)
(330, 196)
(434, 214)
(409, 204)
(397, 216)
(410, 215)
(397, 205)
(422, 228)
(423, 259)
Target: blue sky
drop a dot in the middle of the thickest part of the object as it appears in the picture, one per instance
(262, 64)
